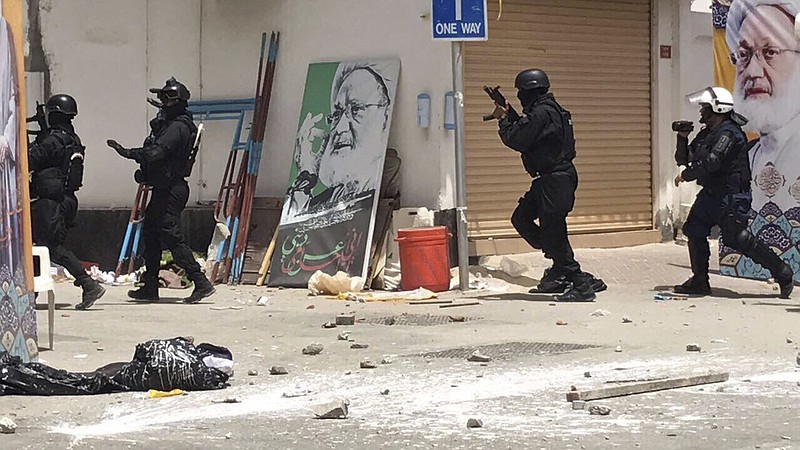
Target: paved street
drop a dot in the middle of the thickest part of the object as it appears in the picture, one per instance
(520, 395)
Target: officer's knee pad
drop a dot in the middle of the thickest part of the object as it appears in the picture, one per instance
(745, 240)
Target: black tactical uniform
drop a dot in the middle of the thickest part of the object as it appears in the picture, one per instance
(55, 161)
(544, 137)
(717, 159)
(164, 165)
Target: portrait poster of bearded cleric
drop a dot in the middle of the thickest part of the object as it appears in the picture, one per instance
(329, 212)
(763, 37)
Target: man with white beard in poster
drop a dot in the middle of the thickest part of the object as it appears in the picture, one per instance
(764, 39)
(349, 162)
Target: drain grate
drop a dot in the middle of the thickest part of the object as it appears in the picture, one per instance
(419, 320)
(509, 350)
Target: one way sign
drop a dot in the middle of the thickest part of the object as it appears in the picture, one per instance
(459, 20)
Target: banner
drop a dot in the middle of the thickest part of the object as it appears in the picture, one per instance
(17, 303)
(329, 213)
(763, 38)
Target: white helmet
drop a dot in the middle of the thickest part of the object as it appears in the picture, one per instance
(719, 99)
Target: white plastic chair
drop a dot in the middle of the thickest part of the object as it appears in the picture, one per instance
(44, 283)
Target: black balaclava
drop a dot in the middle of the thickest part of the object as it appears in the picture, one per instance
(529, 96)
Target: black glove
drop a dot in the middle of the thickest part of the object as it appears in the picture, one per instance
(124, 152)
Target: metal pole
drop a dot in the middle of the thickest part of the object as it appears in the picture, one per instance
(461, 182)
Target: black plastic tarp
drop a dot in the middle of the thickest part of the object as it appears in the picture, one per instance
(158, 364)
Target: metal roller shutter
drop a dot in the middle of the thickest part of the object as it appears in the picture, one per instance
(598, 56)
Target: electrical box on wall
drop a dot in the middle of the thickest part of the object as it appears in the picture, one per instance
(449, 111)
(423, 110)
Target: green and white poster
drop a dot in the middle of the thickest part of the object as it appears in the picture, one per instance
(329, 213)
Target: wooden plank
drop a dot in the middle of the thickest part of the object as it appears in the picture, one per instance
(456, 305)
(642, 388)
(431, 302)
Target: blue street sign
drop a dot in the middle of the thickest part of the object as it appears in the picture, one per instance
(459, 20)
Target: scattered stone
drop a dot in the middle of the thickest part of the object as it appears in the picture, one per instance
(561, 323)
(100, 349)
(227, 400)
(789, 341)
(295, 394)
(262, 301)
(7, 426)
(474, 423)
(333, 410)
(385, 392)
(81, 356)
(278, 370)
(618, 349)
(786, 438)
(719, 341)
(328, 325)
(252, 373)
(626, 320)
(65, 315)
(578, 405)
(391, 321)
(744, 302)
(229, 436)
(692, 306)
(672, 434)
(359, 346)
(476, 356)
(686, 324)
(313, 349)
(597, 410)
(458, 319)
(600, 313)
(552, 304)
(310, 307)
(346, 319)
(343, 336)
(244, 328)
(797, 360)
(386, 361)
(348, 373)
(368, 365)
(714, 426)
(95, 342)
(587, 374)
(692, 348)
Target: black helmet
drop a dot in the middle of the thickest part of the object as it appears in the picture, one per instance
(62, 103)
(172, 90)
(532, 79)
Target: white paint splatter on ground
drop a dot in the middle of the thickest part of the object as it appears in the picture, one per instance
(508, 397)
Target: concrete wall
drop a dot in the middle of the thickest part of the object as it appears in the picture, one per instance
(334, 32)
(106, 54)
(691, 68)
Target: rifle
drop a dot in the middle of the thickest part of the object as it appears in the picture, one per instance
(41, 119)
(500, 100)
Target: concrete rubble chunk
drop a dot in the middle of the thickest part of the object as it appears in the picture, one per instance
(346, 319)
(597, 410)
(385, 392)
(329, 325)
(587, 374)
(333, 410)
(252, 373)
(789, 341)
(600, 313)
(313, 349)
(476, 356)
(618, 349)
(343, 336)
(7, 426)
(626, 320)
(367, 364)
(385, 361)
(692, 348)
(278, 370)
(359, 346)
(474, 423)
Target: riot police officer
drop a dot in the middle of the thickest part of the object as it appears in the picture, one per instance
(717, 159)
(164, 161)
(55, 160)
(544, 137)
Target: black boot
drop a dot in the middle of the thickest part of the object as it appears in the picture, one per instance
(552, 282)
(781, 272)
(598, 285)
(146, 293)
(580, 290)
(92, 291)
(202, 289)
(693, 286)
(698, 257)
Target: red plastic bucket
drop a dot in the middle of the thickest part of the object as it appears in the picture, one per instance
(424, 259)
